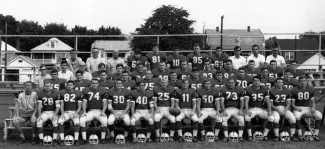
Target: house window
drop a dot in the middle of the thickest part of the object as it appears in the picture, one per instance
(20, 61)
(289, 55)
(3, 57)
(52, 44)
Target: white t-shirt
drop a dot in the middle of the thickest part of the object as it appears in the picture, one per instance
(111, 63)
(40, 79)
(238, 62)
(75, 65)
(87, 75)
(92, 63)
(279, 60)
(68, 75)
(260, 59)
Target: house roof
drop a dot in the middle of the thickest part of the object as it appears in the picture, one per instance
(9, 47)
(300, 44)
(27, 59)
(313, 62)
(60, 46)
(109, 45)
(237, 32)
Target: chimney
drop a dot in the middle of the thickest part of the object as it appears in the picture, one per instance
(248, 28)
(217, 28)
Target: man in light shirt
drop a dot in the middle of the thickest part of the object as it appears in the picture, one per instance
(278, 58)
(237, 60)
(86, 74)
(73, 61)
(92, 62)
(112, 62)
(259, 59)
(39, 80)
(65, 73)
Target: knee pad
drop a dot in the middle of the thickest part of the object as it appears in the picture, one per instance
(132, 122)
(151, 121)
(172, 119)
(248, 118)
(103, 121)
(157, 117)
(76, 121)
(270, 118)
(318, 115)
(61, 120)
(82, 121)
(39, 123)
(127, 122)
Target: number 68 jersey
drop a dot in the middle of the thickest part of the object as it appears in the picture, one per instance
(256, 97)
(47, 100)
(302, 96)
(70, 99)
(119, 99)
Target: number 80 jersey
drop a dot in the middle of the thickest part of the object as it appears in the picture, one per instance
(302, 96)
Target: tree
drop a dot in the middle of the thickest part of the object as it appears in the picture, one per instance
(12, 24)
(165, 20)
(314, 37)
(110, 31)
(59, 29)
(30, 28)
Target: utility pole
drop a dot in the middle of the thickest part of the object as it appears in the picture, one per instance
(221, 31)
(6, 39)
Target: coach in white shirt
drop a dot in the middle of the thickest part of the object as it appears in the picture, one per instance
(92, 62)
(237, 60)
(65, 73)
(258, 58)
(112, 62)
(278, 58)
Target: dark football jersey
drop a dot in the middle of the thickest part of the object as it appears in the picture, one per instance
(290, 83)
(129, 85)
(254, 72)
(116, 76)
(177, 83)
(232, 96)
(132, 61)
(228, 72)
(218, 83)
(185, 98)
(136, 74)
(96, 74)
(218, 61)
(164, 96)
(244, 82)
(280, 98)
(81, 85)
(107, 84)
(119, 99)
(154, 59)
(94, 97)
(182, 74)
(71, 99)
(257, 97)
(157, 73)
(207, 73)
(276, 73)
(48, 100)
(297, 73)
(302, 96)
(175, 62)
(149, 84)
(269, 82)
(142, 99)
(58, 84)
(208, 97)
(196, 83)
(197, 60)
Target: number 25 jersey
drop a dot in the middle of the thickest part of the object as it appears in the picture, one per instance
(257, 97)
(94, 97)
(164, 95)
(48, 100)
(119, 99)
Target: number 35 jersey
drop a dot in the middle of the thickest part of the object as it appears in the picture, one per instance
(257, 97)
(164, 96)
(48, 100)
(119, 99)
(280, 98)
(185, 98)
(208, 97)
(232, 96)
(142, 99)
(70, 99)
(94, 97)
(302, 96)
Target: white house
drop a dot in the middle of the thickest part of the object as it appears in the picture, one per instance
(107, 46)
(26, 67)
(313, 64)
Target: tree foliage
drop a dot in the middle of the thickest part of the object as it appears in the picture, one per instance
(314, 37)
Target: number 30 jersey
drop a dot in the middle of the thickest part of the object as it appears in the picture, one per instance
(302, 96)
(257, 97)
(70, 99)
(185, 98)
(164, 96)
(142, 99)
(232, 96)
(94, 97)
(48, 100)
(280, 98)
(119, 99)
(208, 97)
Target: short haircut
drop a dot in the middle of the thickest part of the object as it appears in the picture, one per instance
(137, 51)
(101, 64)
(64, 62)
(70, 81)
(293, 61)
(218, 72)
(139, 63)
(182, 61)
(139, 82)
(302, 77)
(28, 82)
(155, 44)
(103, 71)
(272, 61)
(119, 65)
(218, 48)
(237, 47)
(185, 79)
(264, 68)
(94, 49)
(123, 72)
(162, 62)
(80, 71)
(206, 80)
(175, 48)
(241, 68)
(206, 60)
(228, 60)
(172, 72)
(196, 45)
(94, 79)
(257, 77)
(230, 78)
(47, 82)
(194, 69)
(54, 71)
(287, 70)
(73, 50)
(251, 61)
(276, 80)
(118, 80)
(255, 46)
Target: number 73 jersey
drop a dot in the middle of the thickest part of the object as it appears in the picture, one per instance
(280, 98)
(302, 96)
(142, 99)
(70, 99)
(119, 99)
(257, 97)
(232, 96)
(208, 97)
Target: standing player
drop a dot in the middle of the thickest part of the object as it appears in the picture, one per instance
(232, 105)
(251, 70)
(163, 101)
(71, 101)
(149, 81)
(118, 73)
(228, 69)
(218, 80)
(142, 107)
(48, 109)
(139, 72)
(174, 60)
(155, 57)
(119, 105)
(55, 81)
(186, 102)
(207, 72)
(95, 100)
(280, 98)
(208, 105)
(127, 82)
(133, 60)
(81, 83)
(303, 104)
(218, 58)
(103, 82)
(265, 79)
(274, 70)
(255, 98)
(162, 71)
(196, 58)
(196, 81)
(183, 72)
(242, 79)
(288, 81)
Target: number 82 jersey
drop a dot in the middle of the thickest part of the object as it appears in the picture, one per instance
(70, 99)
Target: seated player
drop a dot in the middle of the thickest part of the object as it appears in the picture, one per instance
(196, 81)
(255, 98)
(56, 82)
(265, 79)
(251, 70)
(95, 100)
(163, 101)
(174, 60)
(242, 79)
(173, 81)
(208, 105)
(185, 101)
(48, 109)
(232, 105)
(26, 108)
(118, 74)
(274, 70)
(149, 81)
(183, 72)
(218, 80)
(303, 104)
(207, 72)
(288, 81)
(142, 107)
(118, 105)
(161, 71)
(81, 83)
(139, 72)
(71, 101)
(228, 69)
(280, 98)
(103, 82)
(127, 82)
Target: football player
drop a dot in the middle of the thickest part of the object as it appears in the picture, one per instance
(139, 72)
(196, 81)
(127, 82)
(81, 83)
(183, 72)
(296, 73)
(218, 80)
(218, 58)
(133, 60)
(162, 71)
(95, 100)
(174, 60)
(101, 67)
(163, 101)
(155, 57)
(266, 80)
(103, 82)
(251, 70)
(56, 82)
(228, 69)
(71, 101)
(208, 105)
(232, 105)
(185, 101)
(255, 98)
(274, 70)
(142, 107)
(280, 98)
(207, 72)
(149, 81)
(303, 104)
(118, 74)
(174, 82)
(48, 109)
(243, 80)
(196, 58)
(288, 81)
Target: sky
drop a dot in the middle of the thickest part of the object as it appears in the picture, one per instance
(271, 16)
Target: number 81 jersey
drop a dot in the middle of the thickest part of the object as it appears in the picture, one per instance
(302, 96)
(142, 99)
(119, 99)
(70, 99)
(208, 97)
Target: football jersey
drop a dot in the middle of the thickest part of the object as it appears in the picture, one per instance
(182, 74)
(136, 74)
(116, 76)
(276, 73)
(94, 97)
(107, 84)
(48, 100)
(58, 84)
(185, 98)
(232, 96)
(290, 83)
(197, 60)
(228, 72)
(119, 99)
(280, 98)
(96, 74)
(208, 97)
(142, 99)
(253, 72)
(218, 83)
(302, 96)
(196, 83)
(81, 85)
(244, 82)
(71, 99)
(175, 62)
(257, 97)
(164, 96)
(129, 85)
(154, 59)
(157, 73)
(207, 73)
(218, 61)
(297, 73)
(149, 84)
(269, 82)
(177, 83)
(132, 61)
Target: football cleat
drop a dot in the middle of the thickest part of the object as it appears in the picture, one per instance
(141, 138)
(195, 139)
(308, 136)
(164, 137)
(284, 136)
(233, 137)
(209, 137)
(47, 141)
(93, 139)
(68, 140)
(120, 139)
(258, 136)
(316, 138)
(188, 137)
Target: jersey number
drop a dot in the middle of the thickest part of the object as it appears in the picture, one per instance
(176, 62)
(234, 95)
(281, 98)
(163, 96)
(207, 99)
(68, 99)
(242, 83)
(156, 59)
(92, 95)
(208, 75)
(48, 101)
(186, 97)
(258, 97)
(118, 99)
(142, 100)
(303, 95)
(197, 60)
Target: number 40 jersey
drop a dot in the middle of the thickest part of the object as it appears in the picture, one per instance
(142, 99)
